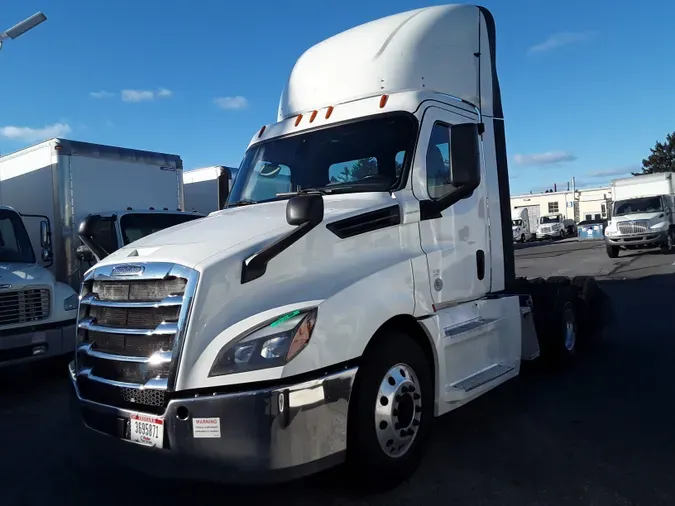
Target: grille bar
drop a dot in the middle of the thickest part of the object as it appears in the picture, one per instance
(93, 300)
(161, 329)
(154, 383)
(158, 357)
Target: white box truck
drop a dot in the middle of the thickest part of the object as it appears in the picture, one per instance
(642, 214)
(68, 181)
(296, 330)
(37, 313)
(520, 225)
(206, 188)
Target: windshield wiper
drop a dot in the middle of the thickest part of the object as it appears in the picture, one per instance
(243, 202)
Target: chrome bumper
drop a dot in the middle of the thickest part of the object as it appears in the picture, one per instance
(42, 341)
(269, 434)
(645, 239)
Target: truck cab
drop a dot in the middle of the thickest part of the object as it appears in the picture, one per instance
(359, 282)
(105, 233)
(551, 226)
(37, 314)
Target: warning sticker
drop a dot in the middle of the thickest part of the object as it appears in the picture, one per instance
(206, 427)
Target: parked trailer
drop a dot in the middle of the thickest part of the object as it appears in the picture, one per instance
(206, 188)
(67, 180)
(331, 323)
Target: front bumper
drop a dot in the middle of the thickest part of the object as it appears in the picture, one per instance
(270, 434)
(546, 235)
(638, 240)
(36, 342)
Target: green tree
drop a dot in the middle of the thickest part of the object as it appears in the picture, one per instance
(662, 158)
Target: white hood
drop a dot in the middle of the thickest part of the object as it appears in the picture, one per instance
(652, 217)
(233, 229)
(22, 275)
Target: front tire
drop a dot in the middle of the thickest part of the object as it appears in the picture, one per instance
(612, 251)
(668, 247)
(390, 413)
(522, 238)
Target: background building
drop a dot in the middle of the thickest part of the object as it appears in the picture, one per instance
(578, 205)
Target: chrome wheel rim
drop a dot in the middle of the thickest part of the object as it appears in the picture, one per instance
(398, 410)
(570, 328)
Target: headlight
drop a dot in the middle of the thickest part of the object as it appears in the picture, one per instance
(71, 302)
(272, 344)
(659, 226)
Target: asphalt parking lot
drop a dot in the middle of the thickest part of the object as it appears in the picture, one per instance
(600, 433)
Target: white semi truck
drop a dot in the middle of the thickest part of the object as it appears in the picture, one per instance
(642, 214)
(68, 181)
(37, 313)
(520, 225)
(329, 322)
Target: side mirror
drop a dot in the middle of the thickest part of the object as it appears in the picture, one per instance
(84, 254)
(45, 235)
(47, 255)
(465, 155)
(303, 209)
(223, 182)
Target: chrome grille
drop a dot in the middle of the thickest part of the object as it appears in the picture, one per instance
(129, 334)
(633, 227)
(545, 230)
(24, 306)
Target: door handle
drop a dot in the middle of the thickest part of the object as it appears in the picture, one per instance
(480, 264)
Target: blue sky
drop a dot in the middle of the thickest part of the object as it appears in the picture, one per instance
(587, 86)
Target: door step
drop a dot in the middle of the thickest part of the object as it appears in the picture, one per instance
(463, 388)
(471, 328)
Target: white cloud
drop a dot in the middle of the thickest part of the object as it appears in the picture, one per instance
(619, 171)
(548, 158)
(28, 134)
(231, 103)
(137, 95)
(163, 92)
(559, 40)
(101, 94)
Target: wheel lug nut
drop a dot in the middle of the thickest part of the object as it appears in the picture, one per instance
(404, 390)
(418, 409)
(416, 423)
(411, 389)
(416, 397)
(410, 432)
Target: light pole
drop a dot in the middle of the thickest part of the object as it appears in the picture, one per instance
(22, 27)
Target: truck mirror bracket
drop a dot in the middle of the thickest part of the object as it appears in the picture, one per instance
(309, 207)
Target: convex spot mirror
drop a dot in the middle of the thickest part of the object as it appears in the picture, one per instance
(303, 209)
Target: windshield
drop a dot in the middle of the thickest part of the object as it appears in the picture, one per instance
(137, 226)
(517, 223)
(15, 244)
(640, 205)
(368, 155)
(549, 219)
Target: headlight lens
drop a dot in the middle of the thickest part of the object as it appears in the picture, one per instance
(659, 226)
(70, 304)
(271, 345)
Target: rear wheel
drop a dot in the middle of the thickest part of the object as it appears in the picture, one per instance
(390, 413)
(612, 251)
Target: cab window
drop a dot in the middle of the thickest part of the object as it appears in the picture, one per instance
(438, 162)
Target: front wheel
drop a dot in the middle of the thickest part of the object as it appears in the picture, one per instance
(669, 245)
(390, 413)
(612, 251)
(522, 238)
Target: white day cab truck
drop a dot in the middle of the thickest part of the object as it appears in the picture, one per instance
(520, 225)
(642, 214)
(551, 226)
(104, 196)
(37, 313)
(332, 322)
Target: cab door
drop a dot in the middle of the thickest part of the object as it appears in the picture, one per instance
(454, 238)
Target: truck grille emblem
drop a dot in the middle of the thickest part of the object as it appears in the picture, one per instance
(128, 270)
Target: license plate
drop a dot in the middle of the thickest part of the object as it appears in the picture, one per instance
(146, 430)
